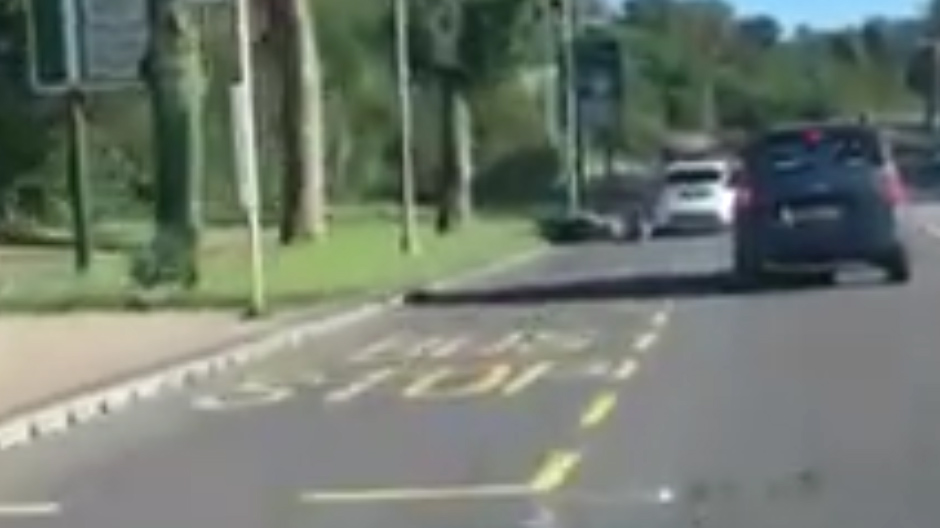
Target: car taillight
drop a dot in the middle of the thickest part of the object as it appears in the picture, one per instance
(743, 192)
(892, 186)
(743, 197)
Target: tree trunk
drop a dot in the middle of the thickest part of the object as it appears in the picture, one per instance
(176, 78)
(447, 185)
(303, 189)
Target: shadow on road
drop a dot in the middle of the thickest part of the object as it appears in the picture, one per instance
(600, 289)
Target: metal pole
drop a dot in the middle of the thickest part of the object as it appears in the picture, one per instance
(408, 237)
(78, 178)
(934, 96)
(243, 99)
(77, 141)
(569, 149)
(550, 88)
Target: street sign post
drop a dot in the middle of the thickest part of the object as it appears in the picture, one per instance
(599, 82)
(599, 87)
(88, 45)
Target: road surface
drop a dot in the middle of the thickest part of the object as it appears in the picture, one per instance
(603, 386)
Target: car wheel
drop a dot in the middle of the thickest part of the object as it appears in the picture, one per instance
(898, 268)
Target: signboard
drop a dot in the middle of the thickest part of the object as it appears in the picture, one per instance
(87, 44)
(598, 66)
(114, 37)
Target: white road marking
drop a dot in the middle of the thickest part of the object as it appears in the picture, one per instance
(645, 341)
(372, 350)
(29, 509)
(529, 376)
(360, 386)
(417, 494)
(626, 370)
(504, 344)
(244, 396)
(447, 348)
(661, 318)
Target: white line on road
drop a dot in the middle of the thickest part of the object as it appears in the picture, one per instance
(372, 350)
(29, 509)
(447, 348)
(626, 370)
(417, 494)
(661, 318)
(504, 344)
(527, 378)
(645, 341)
(359, 387)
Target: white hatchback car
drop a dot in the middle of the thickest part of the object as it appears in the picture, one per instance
(697, 195)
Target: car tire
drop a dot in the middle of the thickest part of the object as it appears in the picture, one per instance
(898, 268)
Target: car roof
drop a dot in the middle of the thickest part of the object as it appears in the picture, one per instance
(700, 164)
(823, 126)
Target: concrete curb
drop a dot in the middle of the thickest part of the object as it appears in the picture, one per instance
(28, 427)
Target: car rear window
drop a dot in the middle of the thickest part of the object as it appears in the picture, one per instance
(795, 151)
(686, 176)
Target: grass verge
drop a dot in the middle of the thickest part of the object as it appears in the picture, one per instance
(360, 258)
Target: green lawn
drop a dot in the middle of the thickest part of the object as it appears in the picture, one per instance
(360, 257)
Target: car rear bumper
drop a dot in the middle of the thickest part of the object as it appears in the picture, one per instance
(805, 254)
(693, 220)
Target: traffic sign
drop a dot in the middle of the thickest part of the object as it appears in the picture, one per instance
(599, 71)
(114, 37)
(86, 44)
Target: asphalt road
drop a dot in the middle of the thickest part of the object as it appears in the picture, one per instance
(603, 386)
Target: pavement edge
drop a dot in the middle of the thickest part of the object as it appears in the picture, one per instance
(59, 417)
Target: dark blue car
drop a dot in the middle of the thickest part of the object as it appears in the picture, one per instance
(813, 198)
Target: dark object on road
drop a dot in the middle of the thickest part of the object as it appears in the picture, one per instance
(816, 197)
(580, 227)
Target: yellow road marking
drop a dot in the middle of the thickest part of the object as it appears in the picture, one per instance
(360, 386)
(527, 378)
(645, 341)
(626, 369)
(598, 410)
(30, 509)
(429, 386)
(555, 471)
(417, 494)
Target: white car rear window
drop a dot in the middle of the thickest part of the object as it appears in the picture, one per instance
(693, 176)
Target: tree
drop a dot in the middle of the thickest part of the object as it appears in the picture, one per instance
(761, 31)
(303, 191)
(465, 46)
(177, 83)
(921, 78)
(26, 137)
